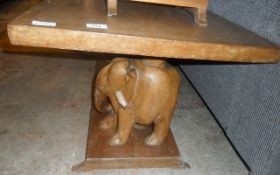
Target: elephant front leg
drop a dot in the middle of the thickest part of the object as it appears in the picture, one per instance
(161, 129)
(110, 121)
(125, 125)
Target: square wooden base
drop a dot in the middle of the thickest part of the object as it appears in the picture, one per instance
(134, 154)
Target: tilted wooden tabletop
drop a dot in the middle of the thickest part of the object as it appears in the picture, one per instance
(139, 29)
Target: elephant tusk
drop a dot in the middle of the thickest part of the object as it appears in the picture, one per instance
(121, 99)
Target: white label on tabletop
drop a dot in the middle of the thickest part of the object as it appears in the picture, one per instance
(43, 23)
(96, 26)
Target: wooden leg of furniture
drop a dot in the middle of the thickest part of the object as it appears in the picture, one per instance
(134, 152)
(198, 8)
(200, 16)
(112, 7)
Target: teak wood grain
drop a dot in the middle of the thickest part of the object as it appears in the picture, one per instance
(139, 29)
(134, 154)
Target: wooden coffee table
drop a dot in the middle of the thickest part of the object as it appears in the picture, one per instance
(138, 31)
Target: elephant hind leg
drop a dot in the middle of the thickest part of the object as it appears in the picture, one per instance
(161, 128)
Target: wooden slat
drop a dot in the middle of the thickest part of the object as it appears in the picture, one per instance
(139, 29)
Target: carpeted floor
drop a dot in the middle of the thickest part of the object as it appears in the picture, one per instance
(45, 99)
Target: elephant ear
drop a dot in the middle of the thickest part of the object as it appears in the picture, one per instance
(125, 95)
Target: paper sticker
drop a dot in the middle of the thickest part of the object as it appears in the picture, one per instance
(43, 23)
(97, 26)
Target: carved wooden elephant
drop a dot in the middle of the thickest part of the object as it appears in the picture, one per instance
(137, 92)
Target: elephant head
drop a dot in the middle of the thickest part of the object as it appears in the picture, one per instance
(115, 85)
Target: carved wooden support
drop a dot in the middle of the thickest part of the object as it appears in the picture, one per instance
(198, 8)
(199, 15)
(112, 7)
(134, 91)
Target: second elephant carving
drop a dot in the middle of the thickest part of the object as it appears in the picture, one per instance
(136, 91)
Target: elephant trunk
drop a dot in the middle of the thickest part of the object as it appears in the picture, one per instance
(101, 102)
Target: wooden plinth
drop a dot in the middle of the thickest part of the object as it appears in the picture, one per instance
(134, 154)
